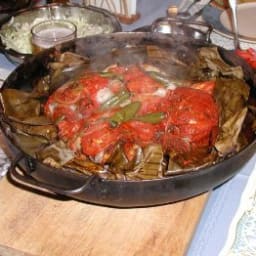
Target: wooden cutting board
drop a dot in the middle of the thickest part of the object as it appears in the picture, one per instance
(37, 225)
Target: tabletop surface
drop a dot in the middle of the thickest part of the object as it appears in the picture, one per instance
(38, 225)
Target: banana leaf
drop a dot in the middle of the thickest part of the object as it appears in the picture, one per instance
(119, 163)
(56, 155)
(64, 68)
(19, 105)
(29, 144)
(231, 96)
(87, 167)
(210, 65)
(153, 163)
(212, 59)
(49, 132)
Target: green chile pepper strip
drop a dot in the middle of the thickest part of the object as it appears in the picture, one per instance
(125, 114)
(111, 75)
(160, 78)
(116, 100)
(152, 118)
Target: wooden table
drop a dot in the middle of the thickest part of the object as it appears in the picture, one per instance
(37, 225)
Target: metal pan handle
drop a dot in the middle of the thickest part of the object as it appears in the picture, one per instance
(23, 179)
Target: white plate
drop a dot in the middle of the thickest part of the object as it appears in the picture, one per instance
(212, 15)
(246, 18)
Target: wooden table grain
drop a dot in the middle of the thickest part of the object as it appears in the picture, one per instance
(36, 225)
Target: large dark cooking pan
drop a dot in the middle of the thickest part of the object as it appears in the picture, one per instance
(31, 172)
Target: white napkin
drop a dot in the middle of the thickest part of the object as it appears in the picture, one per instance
(4, 163)
(3, 75)
(192, 6)
(241, 238)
